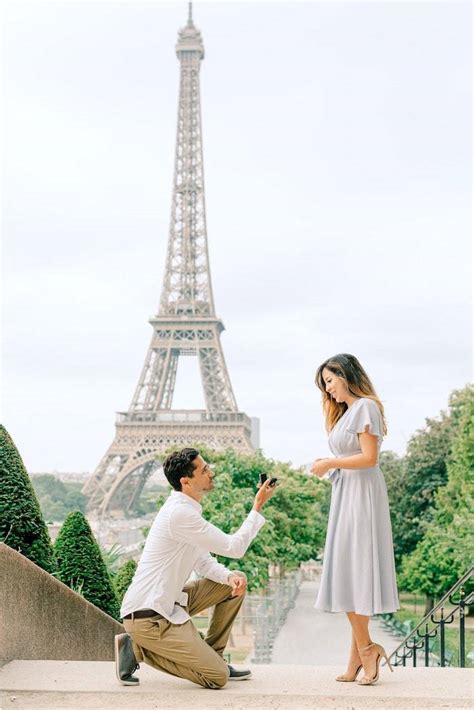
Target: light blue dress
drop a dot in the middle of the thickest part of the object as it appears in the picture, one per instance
(358, 566)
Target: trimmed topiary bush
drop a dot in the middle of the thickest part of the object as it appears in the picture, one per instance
(80, 564)
(22, 525)
(124, 577)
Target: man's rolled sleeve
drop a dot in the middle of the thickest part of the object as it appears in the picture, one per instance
(207, 566)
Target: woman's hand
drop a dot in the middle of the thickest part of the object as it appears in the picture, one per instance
(321, 467)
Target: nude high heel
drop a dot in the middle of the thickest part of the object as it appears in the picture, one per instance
(354, 661)
(380, 654)
(344, 678)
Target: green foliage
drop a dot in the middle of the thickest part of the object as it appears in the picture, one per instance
(22, 526)
(413, 481)
(244, 471)
(295, 517)
(81, 565)
(111, 556)
(395, 474)
(227, 507)
(447, 549)
(58, 498)
(124, 577)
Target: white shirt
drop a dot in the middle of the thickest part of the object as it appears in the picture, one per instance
(179, 541)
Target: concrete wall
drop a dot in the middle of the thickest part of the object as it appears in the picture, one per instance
(41, 618)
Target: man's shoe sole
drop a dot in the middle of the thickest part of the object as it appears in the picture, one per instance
(241, 677)
(117, 645)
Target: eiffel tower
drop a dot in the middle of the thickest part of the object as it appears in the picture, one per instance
(186, 324)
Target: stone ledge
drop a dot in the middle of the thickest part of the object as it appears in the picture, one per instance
(42, 618)
(82, 684)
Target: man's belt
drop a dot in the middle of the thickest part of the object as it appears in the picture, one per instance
(142, 614)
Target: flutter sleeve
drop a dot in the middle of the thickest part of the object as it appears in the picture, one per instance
(367, 417)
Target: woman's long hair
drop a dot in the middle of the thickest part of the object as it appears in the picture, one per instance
(349, 369)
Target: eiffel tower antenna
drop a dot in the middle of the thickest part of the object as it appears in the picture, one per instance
(185, 325)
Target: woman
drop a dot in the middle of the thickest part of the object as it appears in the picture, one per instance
(358, 574)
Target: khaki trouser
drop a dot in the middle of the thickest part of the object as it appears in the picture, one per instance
(179, 649)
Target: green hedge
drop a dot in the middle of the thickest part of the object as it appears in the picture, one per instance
(124, 577)
(22, 525)
(81, 566)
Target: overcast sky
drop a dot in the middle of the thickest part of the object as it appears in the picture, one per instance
(338, 186)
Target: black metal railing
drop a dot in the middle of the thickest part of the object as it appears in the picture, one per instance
(428, 638)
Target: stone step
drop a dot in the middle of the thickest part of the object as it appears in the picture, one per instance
(28, 685)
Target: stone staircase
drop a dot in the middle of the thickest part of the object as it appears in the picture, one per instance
(40, 618)
(32, 685)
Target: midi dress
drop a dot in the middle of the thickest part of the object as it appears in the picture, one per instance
(358, 565)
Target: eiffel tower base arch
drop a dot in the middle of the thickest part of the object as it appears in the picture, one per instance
(139, 447)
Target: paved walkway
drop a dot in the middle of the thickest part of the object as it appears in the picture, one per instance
(309, 637)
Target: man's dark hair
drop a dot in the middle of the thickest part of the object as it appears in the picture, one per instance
(179, 464)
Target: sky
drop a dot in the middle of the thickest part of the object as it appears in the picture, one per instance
(337, 158)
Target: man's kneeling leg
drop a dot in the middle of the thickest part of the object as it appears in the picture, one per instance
(178, 649)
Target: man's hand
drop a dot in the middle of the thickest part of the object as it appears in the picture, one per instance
(321, 467)
(238, 582)
(266, 491)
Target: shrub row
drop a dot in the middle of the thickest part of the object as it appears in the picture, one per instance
(75, 559)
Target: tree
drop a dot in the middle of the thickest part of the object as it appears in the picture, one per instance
(447, 549)
(422, 472)
(395, 472)
(58, 498)
(75, 500)
(124, 578)
(48, 484)
(227, 507)
(22, 525)
(81, 566)
(295, 517)
(299, 514)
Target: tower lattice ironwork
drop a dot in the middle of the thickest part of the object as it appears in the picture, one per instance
(186, 324)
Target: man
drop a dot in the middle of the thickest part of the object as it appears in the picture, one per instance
(159, 603)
